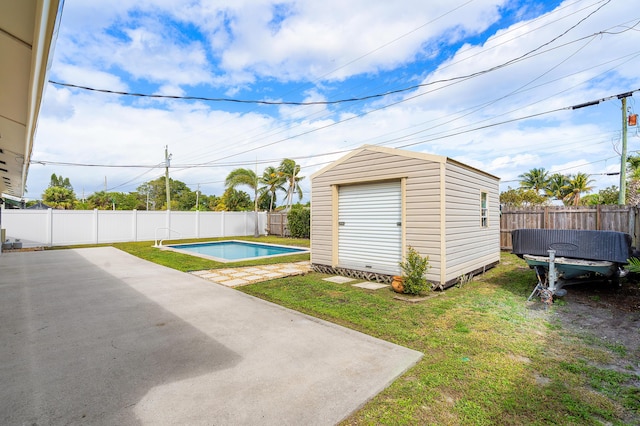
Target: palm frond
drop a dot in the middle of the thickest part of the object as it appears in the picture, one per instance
(634, 264)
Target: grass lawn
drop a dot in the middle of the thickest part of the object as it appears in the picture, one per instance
(490, 358)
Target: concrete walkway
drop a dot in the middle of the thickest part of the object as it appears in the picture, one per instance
(96, 336)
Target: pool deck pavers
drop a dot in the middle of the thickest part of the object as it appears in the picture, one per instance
(234, 277)
(371, 286)
(339, 280)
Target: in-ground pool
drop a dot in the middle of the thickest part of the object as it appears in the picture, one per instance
(233, 251)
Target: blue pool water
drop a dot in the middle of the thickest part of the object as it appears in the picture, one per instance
(236, 250)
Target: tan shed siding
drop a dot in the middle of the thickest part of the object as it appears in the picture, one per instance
(321, 223)
(423, 215)
(469, 245)
(422, 211)
(370, 166)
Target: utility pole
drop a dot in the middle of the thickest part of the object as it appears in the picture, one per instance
(167, 159)
(623, 160)
(623, 155)
(256, 229)
(198, 198)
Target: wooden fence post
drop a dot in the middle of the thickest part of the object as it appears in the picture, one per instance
(545, 220)
(632, 225)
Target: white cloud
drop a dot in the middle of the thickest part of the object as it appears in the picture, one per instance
(90, 77)
(236, 48)
(170, 90)
(150, 55)
(303, 40)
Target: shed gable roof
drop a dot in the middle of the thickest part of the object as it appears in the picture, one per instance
(401, 152)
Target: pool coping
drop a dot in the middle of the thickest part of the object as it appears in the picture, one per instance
(301, 250)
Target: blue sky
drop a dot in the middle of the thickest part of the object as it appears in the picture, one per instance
(480, 67)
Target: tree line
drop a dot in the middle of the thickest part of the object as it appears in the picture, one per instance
(152, 195)
(539, 187)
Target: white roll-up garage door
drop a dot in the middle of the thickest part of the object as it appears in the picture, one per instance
(369, 227)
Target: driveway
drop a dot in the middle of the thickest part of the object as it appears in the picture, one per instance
(97, 336)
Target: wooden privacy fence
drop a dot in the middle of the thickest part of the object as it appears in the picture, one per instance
(277, 224)
(600, 218)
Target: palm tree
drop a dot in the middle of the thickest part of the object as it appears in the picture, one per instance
(246, 177)
(557, 186)
(289, 170)
(578, 184)
(633, 165)
(59, 197)
(272, 181)
(633, 180)
(536, 179)
(99, 200)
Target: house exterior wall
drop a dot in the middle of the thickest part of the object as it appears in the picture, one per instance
(469, 245)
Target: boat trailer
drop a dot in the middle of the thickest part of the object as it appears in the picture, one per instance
(565, 257)
(555, 273)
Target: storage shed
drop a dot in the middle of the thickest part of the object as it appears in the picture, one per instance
(369, 206)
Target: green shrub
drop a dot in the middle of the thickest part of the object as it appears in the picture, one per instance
(299, 222)
(413, 270)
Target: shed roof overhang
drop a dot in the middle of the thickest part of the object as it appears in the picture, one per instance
(28, 29)
(401, 152)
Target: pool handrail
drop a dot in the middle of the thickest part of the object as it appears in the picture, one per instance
(155, 240)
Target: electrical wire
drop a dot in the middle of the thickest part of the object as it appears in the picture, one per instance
(588, 38)
(404, 100)
(264, 161)
(387, 44)
(135, 178)
(339, 101)
(285, 126)
(572, 107)
(312, 103)
(301, 134)
(574, 167)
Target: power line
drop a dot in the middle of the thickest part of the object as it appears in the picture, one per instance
(425, 84)
(227, 164)
(353, 99)
(404, 100)
(575, 167)
(209, 164)
(133, 179)
(320, 78)
(284, 127)
(453, 81)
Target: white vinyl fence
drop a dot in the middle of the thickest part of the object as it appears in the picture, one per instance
(69, 227)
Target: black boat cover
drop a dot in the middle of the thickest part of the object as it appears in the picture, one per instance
(577, 244)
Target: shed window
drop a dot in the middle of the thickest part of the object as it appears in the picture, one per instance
(484, 212)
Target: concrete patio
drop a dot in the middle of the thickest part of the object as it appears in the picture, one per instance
(97, 336)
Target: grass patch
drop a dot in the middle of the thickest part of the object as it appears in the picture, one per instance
(489, 357)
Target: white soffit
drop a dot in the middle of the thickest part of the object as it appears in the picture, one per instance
(27, 35)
